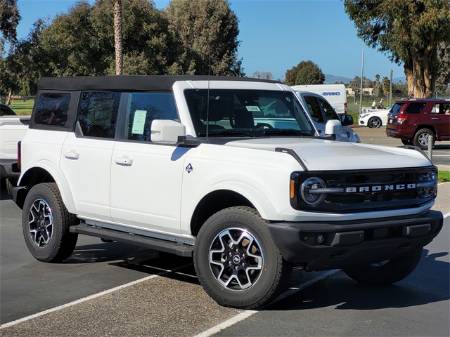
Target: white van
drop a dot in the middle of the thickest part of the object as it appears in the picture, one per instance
(335, 94)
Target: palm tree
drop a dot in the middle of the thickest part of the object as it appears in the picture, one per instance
(118, 36)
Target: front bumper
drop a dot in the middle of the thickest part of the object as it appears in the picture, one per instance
(329, 245)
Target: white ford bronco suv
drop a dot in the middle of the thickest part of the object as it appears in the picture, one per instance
(227, 170)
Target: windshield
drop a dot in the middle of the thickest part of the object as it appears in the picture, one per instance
(250, 113)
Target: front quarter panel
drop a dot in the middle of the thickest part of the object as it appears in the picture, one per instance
(261, 176)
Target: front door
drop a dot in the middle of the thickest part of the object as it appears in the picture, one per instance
(146, 178)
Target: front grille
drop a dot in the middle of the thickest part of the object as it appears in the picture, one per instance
(366, 190)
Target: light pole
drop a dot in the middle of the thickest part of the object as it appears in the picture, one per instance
(361, 85)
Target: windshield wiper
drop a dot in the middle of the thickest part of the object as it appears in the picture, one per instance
(287, 132)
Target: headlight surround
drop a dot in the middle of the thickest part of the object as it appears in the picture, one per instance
(308, 194)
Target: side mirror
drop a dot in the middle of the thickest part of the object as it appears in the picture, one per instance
(346, 120)
(332, 127)
(166, 131)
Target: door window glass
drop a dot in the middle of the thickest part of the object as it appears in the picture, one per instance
(51, 109)
(328, 110)
(314, 109)
(97, 114)
(144, 107)
(415, 108)
(444, 108)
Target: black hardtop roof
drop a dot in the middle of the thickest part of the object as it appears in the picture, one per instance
(130, 82)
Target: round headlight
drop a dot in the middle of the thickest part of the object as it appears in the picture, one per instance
(309, 191)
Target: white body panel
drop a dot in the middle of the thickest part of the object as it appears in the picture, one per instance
(11, 132)
(146, 191)
(335, 94)
(149, 186)
(86, 165)
(368, 113)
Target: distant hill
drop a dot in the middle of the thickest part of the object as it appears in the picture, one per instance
(331, 79)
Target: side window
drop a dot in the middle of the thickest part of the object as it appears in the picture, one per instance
(51, 109)
(97, 114)
(327, 110)
(415, 108)
(314, 109)
(142, 108)
(444, 108)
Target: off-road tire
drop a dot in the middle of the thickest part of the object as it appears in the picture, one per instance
(421, 133)
(273, 274)
(374, 122)
(392, 271)
(61, 243)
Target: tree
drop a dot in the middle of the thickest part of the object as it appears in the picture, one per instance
(9, 19)
(306, 72)
(118, 36)
(443, 77)
(206, 32)
(378, 86)
(409, 32)
(386, 85)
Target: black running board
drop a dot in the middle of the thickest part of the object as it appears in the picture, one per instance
(176, 248)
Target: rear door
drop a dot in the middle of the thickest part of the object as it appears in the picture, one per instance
(440, 118)
(86, 154)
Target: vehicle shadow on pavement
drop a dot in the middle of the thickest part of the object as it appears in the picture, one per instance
(427, 284)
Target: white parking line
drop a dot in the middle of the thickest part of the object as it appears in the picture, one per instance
(247, 313)
(90, 297)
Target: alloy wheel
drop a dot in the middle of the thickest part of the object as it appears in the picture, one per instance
(40, 222)
(236, 258)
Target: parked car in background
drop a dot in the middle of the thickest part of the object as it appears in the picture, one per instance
(335, 94)
(373, 118)
(12, 130)
(414, 121)
(320, 111)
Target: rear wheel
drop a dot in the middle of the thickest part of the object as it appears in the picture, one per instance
(385, 272)
(374, 122)
(45, 224)
(236, 260)
(422, 138)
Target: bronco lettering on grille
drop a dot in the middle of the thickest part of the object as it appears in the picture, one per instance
(380, 188)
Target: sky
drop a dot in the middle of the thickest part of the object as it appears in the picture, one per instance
(274, 35)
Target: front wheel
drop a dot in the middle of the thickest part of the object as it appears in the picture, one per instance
(385, 272)
(45, 224)
(236, 260)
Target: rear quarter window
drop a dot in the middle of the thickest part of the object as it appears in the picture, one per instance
(52, 109)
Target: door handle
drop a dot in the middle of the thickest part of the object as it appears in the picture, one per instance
(72, 155)
(434, 118)
(123, 161)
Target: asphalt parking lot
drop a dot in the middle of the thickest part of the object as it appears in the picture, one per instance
(113, 289)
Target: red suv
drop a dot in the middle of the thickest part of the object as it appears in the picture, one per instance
(415, 119)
